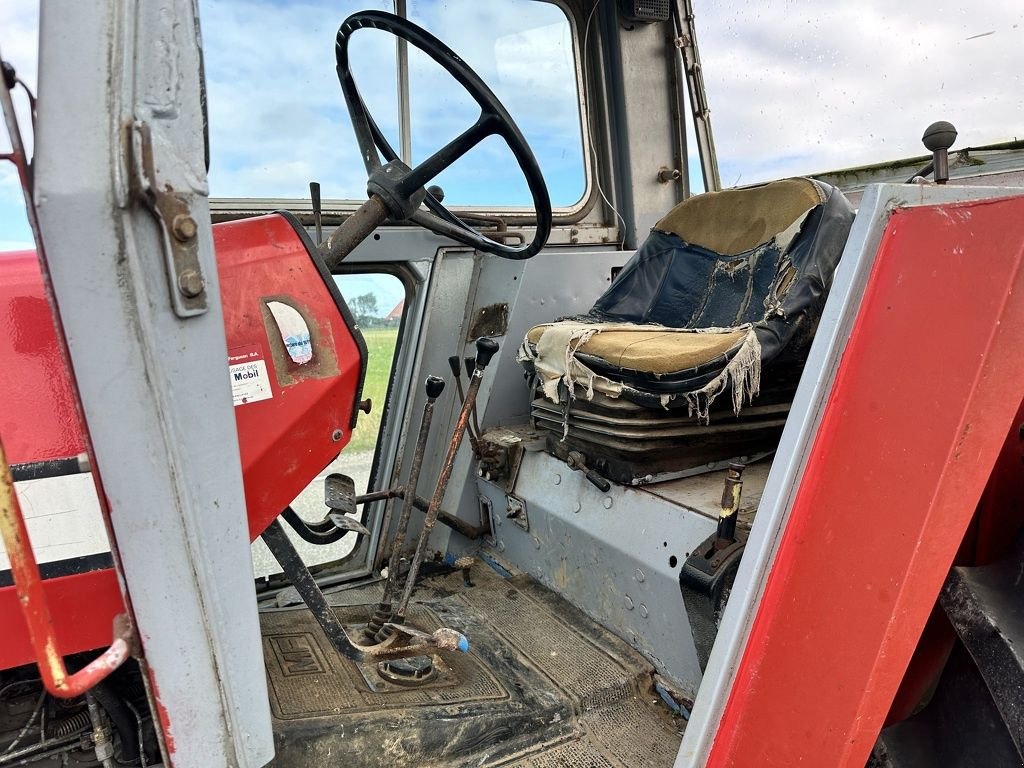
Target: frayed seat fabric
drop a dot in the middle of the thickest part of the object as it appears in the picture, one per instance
(725, 284)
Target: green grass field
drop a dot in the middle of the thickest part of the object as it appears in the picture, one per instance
(380, 343)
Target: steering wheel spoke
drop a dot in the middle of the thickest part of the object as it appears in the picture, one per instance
(430, 168)
(405, 186)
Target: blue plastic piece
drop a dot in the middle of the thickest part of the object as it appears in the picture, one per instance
(464, 644)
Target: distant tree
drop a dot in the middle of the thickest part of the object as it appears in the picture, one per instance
(365, 309)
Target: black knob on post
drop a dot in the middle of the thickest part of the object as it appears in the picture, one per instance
(470, 365)
(453, 363)
(436, 192)
(435, 386)
(938, 138)
(485, 350)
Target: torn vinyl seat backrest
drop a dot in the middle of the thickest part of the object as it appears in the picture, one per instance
(723, 296)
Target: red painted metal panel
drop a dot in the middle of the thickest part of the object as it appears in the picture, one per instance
(285, 440)
(39, 417)
(930, 381)
(83, 608)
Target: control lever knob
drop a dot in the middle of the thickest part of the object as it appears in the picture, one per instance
(453, 363)
(485, 350)
(938, 138)
(470, 365)
(939, 135)
(436, 192)
(434, 386)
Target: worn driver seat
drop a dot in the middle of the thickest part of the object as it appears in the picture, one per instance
(723, 296)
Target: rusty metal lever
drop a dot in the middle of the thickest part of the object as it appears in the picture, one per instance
(485, 350)
(32, 596)
(399, 644)
(434, 388)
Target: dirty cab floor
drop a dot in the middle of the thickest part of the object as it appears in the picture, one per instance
(542, 685)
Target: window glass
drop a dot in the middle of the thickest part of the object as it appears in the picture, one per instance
(377, 300)
(802, 87)
(19, 32)
(278, 119)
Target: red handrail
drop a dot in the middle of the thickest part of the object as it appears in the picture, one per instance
(32, 596)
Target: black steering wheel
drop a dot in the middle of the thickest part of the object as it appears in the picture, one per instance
(402, 188)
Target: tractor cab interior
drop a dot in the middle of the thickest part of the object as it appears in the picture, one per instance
(496, 525)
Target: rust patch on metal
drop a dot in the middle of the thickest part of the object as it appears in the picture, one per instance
(490, 321)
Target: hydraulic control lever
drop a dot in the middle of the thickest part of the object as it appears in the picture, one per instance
(485, 350)
(456, 366)
(381, 615)
(470, 365)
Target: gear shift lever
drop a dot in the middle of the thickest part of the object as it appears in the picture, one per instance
(434, 388)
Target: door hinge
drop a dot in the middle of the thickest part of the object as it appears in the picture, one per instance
(179, 230)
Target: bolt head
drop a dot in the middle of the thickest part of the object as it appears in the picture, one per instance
(191, 283)
(629, 603)
(643, 610)
(336, 435)
(184, 227)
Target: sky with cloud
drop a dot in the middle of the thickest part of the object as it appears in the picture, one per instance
(794, 87)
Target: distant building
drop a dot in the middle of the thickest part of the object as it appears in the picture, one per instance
(394, 317)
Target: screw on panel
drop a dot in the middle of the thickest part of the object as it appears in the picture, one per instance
(184, 227)
(629, 603)
(643, 610)
(577, 507)
(536, 542)
(190, 283)
(336, 435)
(558, 479)
(607, 502)
(639, 575)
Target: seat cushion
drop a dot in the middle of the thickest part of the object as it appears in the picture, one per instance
(651, 349)
(641, 363)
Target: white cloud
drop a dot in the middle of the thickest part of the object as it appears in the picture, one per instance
(799, 87)
(278, 118)
(794, 87)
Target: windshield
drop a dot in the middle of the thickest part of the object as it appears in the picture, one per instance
(278, 119)
(806, 87)
(794, 87)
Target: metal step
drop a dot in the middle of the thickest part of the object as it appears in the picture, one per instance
(986, 606)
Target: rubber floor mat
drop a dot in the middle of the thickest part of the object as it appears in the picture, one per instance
(542, 686)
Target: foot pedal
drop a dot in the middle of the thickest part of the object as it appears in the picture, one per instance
(340, 496)
(340, 493)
